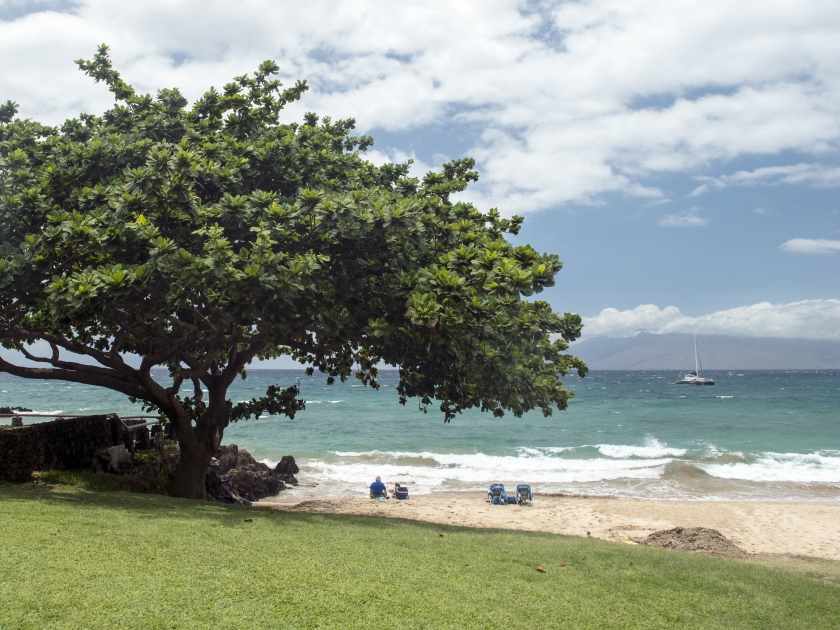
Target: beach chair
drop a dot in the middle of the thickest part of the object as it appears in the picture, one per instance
(497, 494)
(400, 492)
(524, 494)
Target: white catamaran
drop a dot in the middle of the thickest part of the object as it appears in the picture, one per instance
(696, 377)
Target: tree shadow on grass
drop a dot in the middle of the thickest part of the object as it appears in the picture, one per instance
(158, 507)
(154, 506)
(483, 557)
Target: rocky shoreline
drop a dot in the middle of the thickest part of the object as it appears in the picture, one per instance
(236, 477)
(233, 476)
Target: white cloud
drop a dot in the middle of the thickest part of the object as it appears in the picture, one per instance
(808, 319)
(688, 218)
(810, 246)
(568, 100)
(817, 175)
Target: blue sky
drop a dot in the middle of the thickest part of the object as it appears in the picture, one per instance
(680, 157)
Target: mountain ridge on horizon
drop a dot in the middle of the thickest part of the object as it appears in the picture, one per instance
(675, 351)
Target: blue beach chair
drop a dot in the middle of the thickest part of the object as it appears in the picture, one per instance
(400, 492)
(497, 494)
(523, 494)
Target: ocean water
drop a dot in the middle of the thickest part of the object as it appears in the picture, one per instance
(755, 435)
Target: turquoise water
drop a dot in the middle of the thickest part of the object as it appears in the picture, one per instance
(754, 435)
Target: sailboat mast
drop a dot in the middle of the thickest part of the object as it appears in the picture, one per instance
(696, 360)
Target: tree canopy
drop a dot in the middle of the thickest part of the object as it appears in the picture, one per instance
(201, 238)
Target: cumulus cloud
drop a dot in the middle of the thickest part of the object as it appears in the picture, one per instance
(567, 100)
(689, 218)
(810, 246)
(808, 319)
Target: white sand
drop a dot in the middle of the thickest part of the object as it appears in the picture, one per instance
(811, 529)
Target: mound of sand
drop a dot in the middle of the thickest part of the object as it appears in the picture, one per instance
(701, 539)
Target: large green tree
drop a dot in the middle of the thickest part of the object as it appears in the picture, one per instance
(201, 238)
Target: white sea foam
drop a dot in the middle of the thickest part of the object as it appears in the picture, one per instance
(652, 448)
(427, 471)
(554, 469)
(820, 467)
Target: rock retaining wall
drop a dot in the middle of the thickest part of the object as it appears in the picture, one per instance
(64, 443)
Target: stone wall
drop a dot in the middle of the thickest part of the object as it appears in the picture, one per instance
(65, 443)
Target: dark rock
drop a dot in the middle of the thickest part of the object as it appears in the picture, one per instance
(286, 466)
(244, 459)
(213, 485)
(227, 457)
(17, 421)
(255, 485)
(11, 410)
(236, 477)
(246, 462)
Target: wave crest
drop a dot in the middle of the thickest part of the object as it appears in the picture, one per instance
(651, 449)
(553, 469)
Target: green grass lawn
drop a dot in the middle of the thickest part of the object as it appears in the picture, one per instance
(74, 559)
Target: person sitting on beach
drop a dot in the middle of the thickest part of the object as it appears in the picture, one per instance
(377, 489)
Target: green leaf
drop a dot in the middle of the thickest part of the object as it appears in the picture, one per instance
(201, 237)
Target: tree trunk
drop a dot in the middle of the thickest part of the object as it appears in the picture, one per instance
(198, 444)
(188, 480)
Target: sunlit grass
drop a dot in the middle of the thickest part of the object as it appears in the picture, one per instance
(75, 559)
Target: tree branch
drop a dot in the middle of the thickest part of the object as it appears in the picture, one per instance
(114, 362)
(111, 379)
(233, 368)
(119, 339)
(70, 365)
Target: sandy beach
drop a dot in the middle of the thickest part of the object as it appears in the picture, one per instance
(809, 529)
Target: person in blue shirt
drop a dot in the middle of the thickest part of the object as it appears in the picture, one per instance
(377, 489)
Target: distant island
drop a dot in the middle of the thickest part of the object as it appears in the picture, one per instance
(648, 351)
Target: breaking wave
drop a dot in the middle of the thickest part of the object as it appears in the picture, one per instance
(819, 467)
(594, 469)
(652, 448)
